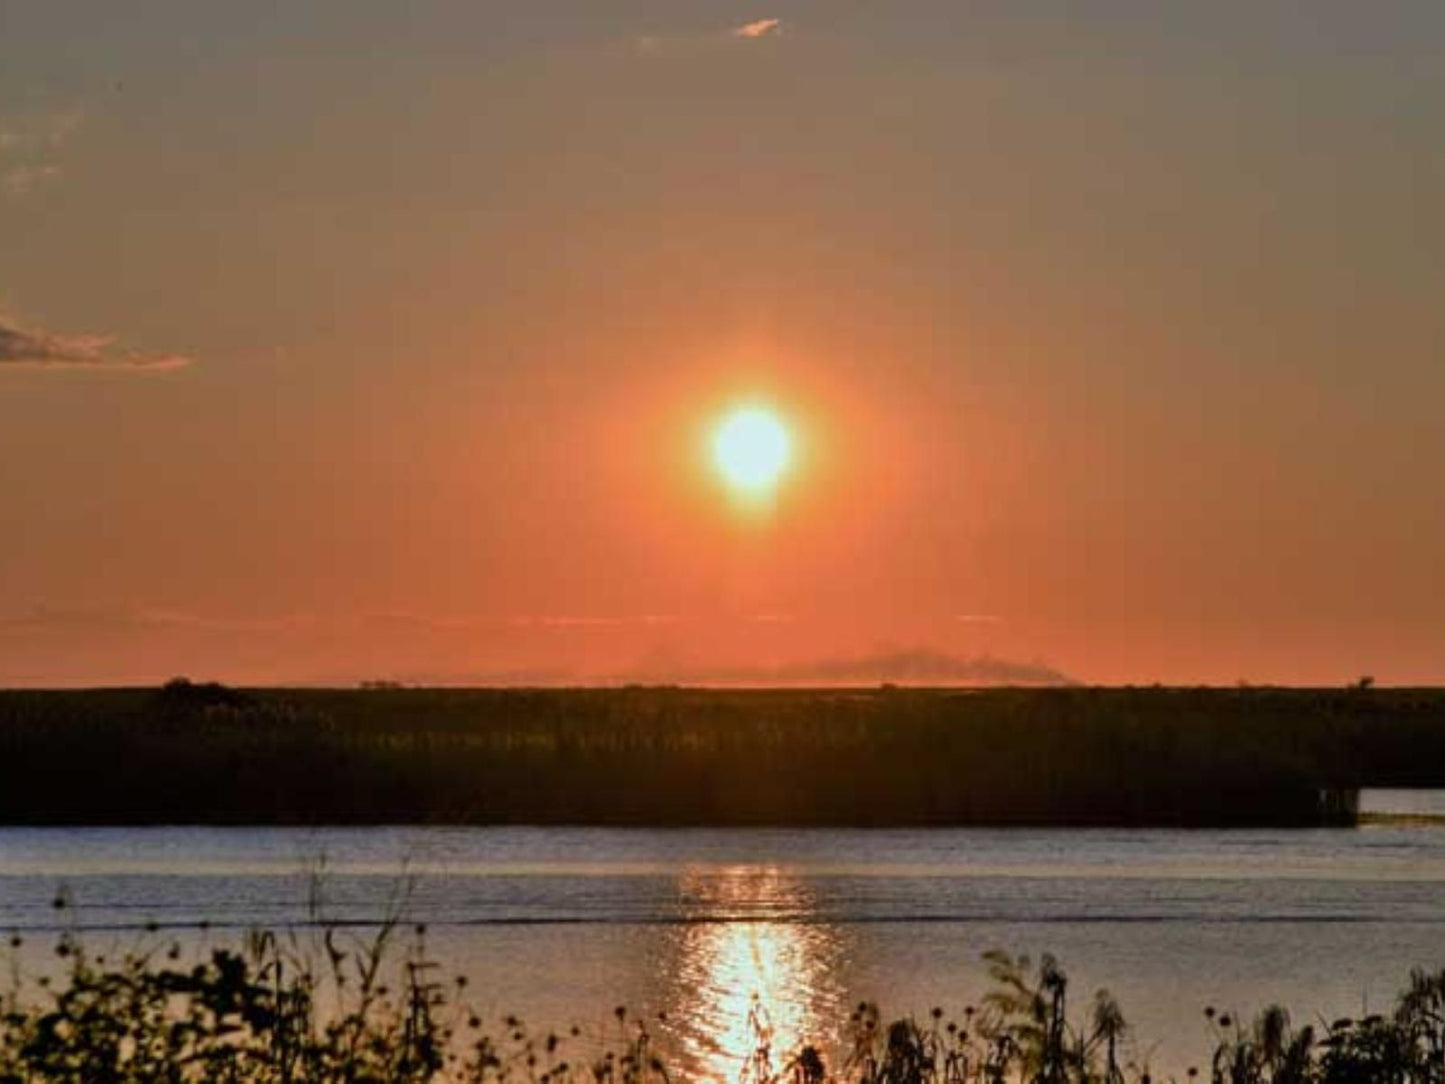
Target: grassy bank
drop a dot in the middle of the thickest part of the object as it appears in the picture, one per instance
(277, 1008)
(205, 754)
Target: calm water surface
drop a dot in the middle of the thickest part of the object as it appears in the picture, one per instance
(560, 925)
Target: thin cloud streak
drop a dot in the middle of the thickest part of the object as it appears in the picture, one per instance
(759, 28)
(101, 618)
(566, 621)
(28, 148)
(650, 44)
(22, 180)
(24, 349)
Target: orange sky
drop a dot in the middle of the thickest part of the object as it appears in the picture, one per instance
(1110, 344)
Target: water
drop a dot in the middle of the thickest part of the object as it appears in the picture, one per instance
(560, 925)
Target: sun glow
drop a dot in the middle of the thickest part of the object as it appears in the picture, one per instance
(752, 449)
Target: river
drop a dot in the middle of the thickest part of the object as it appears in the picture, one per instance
(560, 925)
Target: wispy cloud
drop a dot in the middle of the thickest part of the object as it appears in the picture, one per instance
(21, 348)
(23, 179)
(587, 621)
(29, 147)
(759, 28)
(654, 44)
(131, 622)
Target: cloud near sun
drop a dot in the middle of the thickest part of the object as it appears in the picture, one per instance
(22, 349)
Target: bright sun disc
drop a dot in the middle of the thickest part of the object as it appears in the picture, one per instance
(751, 449)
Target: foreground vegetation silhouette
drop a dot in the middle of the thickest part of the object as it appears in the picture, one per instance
(203, 753)
(328, 1008)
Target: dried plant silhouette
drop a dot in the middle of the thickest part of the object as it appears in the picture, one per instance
(324, 1005)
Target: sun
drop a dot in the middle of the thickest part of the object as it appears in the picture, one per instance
(751, 449)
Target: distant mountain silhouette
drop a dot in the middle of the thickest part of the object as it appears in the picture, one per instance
(916, 666)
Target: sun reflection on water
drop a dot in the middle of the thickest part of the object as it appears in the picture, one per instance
(754, 970)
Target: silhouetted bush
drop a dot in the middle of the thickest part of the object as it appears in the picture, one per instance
(182, 694)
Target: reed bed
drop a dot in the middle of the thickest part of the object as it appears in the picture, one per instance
(198, 753)
(331, 1008)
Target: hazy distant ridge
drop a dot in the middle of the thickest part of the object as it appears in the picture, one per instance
(904, 667)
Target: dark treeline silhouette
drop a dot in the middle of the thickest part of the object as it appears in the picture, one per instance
(193, 753)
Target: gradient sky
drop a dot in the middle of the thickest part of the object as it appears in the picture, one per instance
(355, 339)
